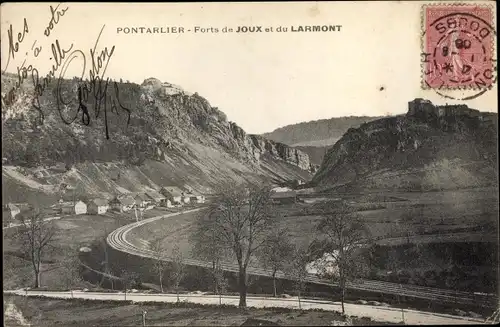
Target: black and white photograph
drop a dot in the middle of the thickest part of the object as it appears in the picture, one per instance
(250, 163)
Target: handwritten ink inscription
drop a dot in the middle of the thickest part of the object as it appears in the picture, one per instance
(14, 46)
(96, 85)
(95, 91)
(55, 15)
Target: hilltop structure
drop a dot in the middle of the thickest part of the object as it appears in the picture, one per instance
(424, 108)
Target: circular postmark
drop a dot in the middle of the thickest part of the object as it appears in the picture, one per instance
(458, 57)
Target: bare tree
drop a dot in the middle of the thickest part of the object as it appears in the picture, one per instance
(77, 193)
(221, 283)
(275, 253)
(36, 236)
(129, 278)
(297, 270)
(240, 219)
(343, 233)
(207, 246)
(105, 264)
(159, 264)
(71, 270)
(394, 264)
(178, 268)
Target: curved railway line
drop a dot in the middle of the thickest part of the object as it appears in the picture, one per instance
(118, 241)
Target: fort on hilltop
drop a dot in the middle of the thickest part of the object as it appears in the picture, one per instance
(425, 108)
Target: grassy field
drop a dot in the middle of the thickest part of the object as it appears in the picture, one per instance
(71, 233)
(446, 227)
(386, 216)
(174, 230)
(53, 312)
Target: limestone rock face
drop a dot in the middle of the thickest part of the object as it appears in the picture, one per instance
(429, 148)
(281, 151)
(154, 121)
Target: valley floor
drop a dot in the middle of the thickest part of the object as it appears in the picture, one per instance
(75, 311)
(72, 232)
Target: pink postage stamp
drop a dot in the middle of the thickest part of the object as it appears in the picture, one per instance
(458, 46)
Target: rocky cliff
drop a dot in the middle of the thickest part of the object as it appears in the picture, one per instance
(314, 138)
(155, 134)
(431, 147)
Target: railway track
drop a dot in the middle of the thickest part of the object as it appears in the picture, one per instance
(118, 241)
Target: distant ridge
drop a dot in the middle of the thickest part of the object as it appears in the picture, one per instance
(320, 133)
(429, 148)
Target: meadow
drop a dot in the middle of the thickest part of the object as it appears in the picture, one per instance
(71, 233)
(443, 227)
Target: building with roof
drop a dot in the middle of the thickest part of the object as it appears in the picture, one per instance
(284, 197)
(167, 203)
(70, 208)
(23, 206)
(196, 198)
(156, 197)
(122, 203)
(172, 193)
(185, 198)
(424, 109)
(98, 206)
(13, 209)
(10, 211)
(142, 200)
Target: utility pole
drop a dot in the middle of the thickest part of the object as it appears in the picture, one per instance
(402, 309)
(75, 193)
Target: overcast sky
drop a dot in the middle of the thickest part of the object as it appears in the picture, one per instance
(262, 81)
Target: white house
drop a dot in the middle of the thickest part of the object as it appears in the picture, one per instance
(325, 264)
(98, 206)
(197, 198)
(142, 200)
(12, 210)
(167, 203)
(156, 197)
(78, 208)
(172, 193)
(122, 203)
(185, 198)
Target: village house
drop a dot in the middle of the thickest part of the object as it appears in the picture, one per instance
(65, 208)
(38, 173)
(156, 197)
(59, 168)
(142, 200)
(122, 203)
(196, 198)
(10, 211)
(172, 193)
(68, 208)
(296, 183)
(98, 206)
(23, 206)
(284, 197)
(185, 198)
(167, 203)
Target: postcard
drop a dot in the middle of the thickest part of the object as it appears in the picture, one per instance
(260, 163)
